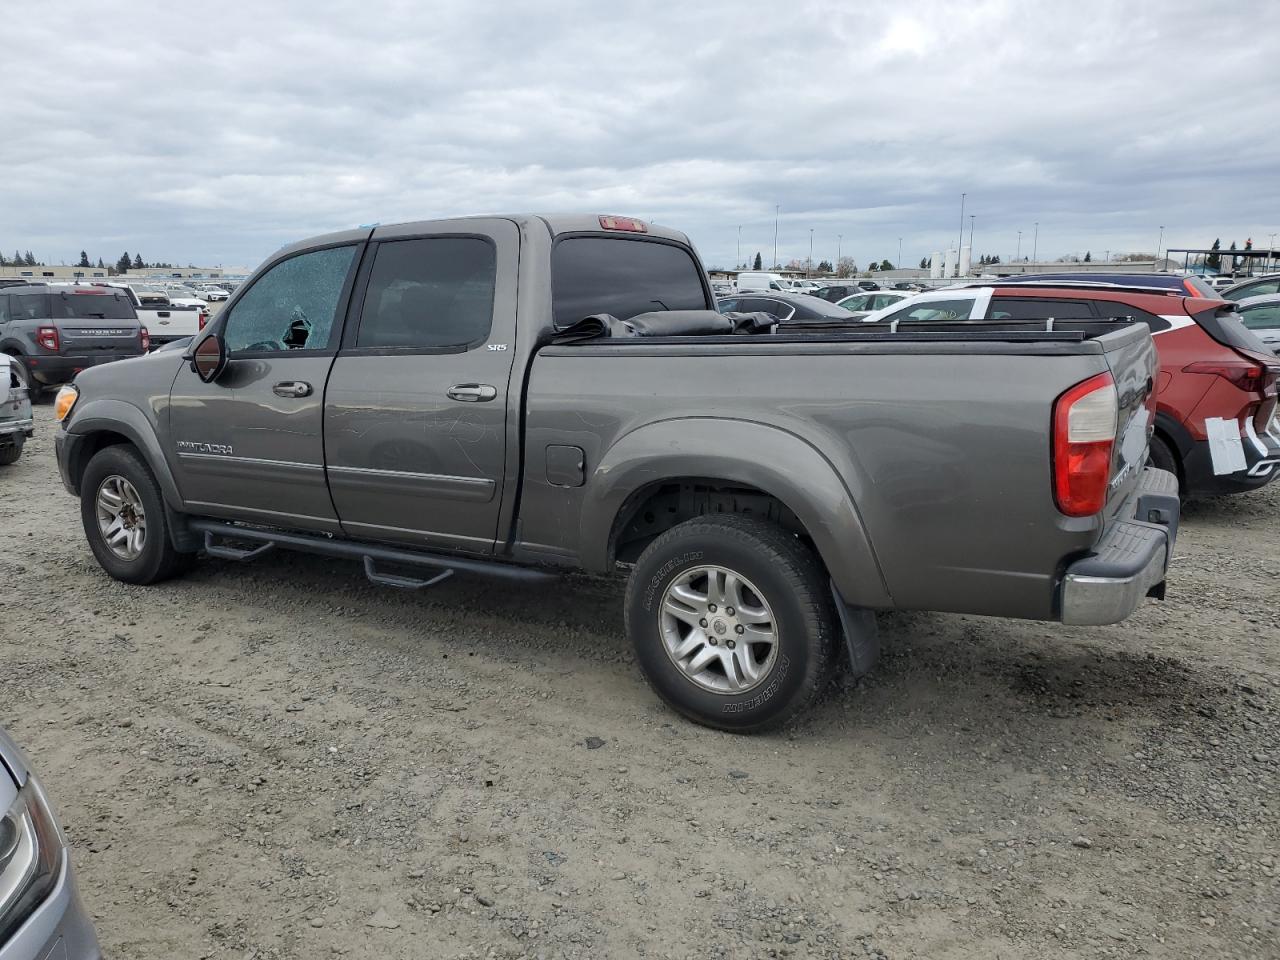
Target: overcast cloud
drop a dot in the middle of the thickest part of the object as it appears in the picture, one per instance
(215, 133)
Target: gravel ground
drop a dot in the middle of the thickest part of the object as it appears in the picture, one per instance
(281, 760)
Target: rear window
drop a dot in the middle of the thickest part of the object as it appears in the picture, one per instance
(91, 306)
(622, 277)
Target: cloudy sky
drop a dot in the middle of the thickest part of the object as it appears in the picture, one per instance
(214, 133)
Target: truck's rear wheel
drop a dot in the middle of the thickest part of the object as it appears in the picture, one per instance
(124, 518)
(732, 622)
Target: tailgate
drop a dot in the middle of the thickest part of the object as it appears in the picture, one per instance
(113, 336)
(1131, 356)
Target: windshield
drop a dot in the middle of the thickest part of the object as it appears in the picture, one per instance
(91, 306)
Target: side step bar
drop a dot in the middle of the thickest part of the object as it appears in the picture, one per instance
(443, 566)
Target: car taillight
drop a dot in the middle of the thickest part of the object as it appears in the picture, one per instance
(1247, 375)
(1084, 431)
(626, 224)
(47, 337)
(146, 338)
(204, 318)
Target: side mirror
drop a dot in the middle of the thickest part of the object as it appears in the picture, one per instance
(209, 358)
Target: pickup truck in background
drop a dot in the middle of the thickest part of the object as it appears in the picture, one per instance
(420, 398)
(166, 319)
(51, 332)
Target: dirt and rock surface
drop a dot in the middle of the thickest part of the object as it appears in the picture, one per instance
(281, 760)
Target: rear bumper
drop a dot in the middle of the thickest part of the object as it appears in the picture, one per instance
(1130, 561)
(53, 369)
(10, 428)
(1244, 460)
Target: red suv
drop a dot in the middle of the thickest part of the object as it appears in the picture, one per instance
(1216, 422)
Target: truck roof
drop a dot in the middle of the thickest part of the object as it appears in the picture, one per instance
(556, 224)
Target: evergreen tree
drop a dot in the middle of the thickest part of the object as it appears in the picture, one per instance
(924, 263)
(17, 260)
(1214, 260)
(1088, 257)
(101, 265)
(137, 262)
(30, 260)
(757, 264)
(122, 265)
(84, 260)
(4, 261)
(886, 265)
(994, 259)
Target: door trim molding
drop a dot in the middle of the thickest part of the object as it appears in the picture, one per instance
(471, 489)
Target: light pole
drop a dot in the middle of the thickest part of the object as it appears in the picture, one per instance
(839, 244)
(1035, 243)
(776, 209)
(972, 217)
(738, 262)
(1018, 256)
(1159, 244)
(960, 243)
(808, 267)
(899, 253)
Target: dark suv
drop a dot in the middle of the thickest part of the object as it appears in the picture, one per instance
(52, 333)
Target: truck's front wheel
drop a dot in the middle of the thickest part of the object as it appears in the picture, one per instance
(732, 622)
(124, 519)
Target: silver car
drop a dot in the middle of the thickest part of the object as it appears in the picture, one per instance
(41, 915)
(1262, 316)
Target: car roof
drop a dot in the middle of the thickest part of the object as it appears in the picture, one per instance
(1246, 282)
(1165, 281)
(1259, 301)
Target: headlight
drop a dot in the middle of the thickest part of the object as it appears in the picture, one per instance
(30, 857)
(66, 399)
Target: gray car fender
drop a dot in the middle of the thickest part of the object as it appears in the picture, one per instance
(116, 416)
(745, 452)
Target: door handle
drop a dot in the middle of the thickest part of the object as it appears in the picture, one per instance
(292, 388)
(472, 392)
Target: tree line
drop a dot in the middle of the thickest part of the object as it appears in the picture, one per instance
(123, 265)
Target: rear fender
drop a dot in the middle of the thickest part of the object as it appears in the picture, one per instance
(751, 454)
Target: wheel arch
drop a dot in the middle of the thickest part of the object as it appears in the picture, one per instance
(102, 423)
(712, 465)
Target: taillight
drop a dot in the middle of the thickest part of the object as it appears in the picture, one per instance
(146, 338)
(47, 337)
(204, 318)
(1244, 374)
(627, 224)
(1084, 431)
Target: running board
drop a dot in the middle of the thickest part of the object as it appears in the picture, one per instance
(442, 565)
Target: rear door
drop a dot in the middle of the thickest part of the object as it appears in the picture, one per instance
(415, 412)
(249, 446)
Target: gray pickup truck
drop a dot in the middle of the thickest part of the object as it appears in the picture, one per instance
(421, 398)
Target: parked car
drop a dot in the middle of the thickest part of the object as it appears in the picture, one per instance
(1262, 316)
(166, 319)
(1255, 287)
(1221, 282)
(749, 281)
(51, 333)
(212, 293)
(871, 301)
(1189, 285)
(16, 425)
(1215, 422)
(415, 412)
(41, 914)
(787, 307)
(838, 290)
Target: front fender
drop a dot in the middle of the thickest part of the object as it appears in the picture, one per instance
(117, 416)
(741, 452)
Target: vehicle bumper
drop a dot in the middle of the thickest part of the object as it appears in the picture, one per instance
(11, 428)
(60, 929)
(1130, 561)
(55, 369)
(64, 445)
(1236, 466)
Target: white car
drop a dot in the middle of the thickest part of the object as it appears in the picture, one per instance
(212, 293)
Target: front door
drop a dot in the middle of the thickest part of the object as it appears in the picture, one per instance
(250, 445)
(416, 410)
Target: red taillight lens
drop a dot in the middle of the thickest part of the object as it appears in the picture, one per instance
(1084, 431)
(629, 224)
(1244, 374)
(47, 337)
(146, 338)
(204, 318)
